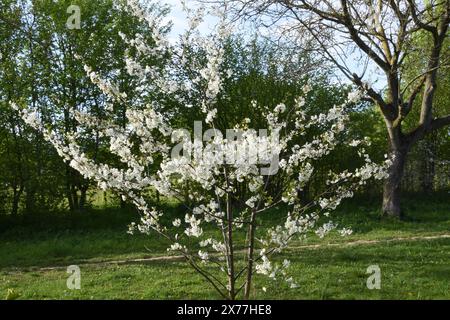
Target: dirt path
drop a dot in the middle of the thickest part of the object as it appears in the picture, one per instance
(180, 258)
(361, 242)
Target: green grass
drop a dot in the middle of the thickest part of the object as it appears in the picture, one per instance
(413, 270)
(410, 269)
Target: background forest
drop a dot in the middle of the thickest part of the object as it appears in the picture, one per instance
(39, 65)
(51, 215)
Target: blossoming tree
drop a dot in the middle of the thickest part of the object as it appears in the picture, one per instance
(220, 236)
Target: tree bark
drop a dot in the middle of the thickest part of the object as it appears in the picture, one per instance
(392, 185)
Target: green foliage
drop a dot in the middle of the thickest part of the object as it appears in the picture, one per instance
(428, 167)
(42, 65)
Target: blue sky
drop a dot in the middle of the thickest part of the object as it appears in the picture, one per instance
(179, 20)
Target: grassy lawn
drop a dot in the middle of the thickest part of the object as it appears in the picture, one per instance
(418, 269)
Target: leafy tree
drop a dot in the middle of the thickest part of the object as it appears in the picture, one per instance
(42, 67)
(380, 32)
(214, 165)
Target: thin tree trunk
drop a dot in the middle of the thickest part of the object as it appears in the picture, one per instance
(231, 273)
(123, 204)
(83, 197)
(250, 253)
(75, 199)
(69, 189)
(30, 199)
(16, 199)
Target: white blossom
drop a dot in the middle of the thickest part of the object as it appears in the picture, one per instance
(176, 222)
(345, 232)
(210, 172)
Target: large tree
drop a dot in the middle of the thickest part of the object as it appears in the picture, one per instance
(40, 66)
(376, 36)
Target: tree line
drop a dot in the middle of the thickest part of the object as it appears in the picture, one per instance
(41, 65)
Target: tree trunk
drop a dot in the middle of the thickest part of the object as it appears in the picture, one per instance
(75, 199)
(231, 275)
(68, 189)
(251, 246)
(83, 198)
(303, 194)
(30, 199)
(392, 185)
(16, 199)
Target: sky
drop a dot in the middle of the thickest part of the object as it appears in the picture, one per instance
(179, 20)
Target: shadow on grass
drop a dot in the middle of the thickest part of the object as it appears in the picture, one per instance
(61, 238)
